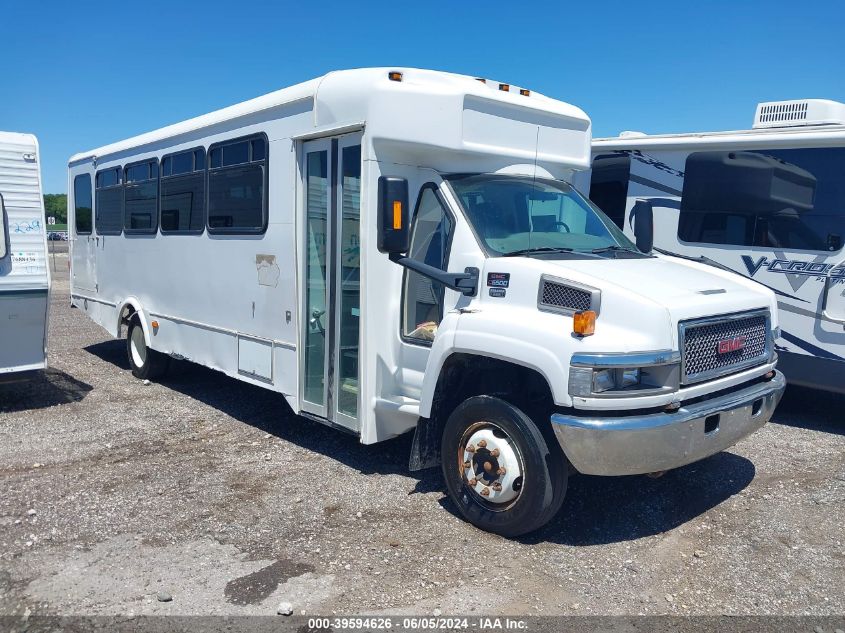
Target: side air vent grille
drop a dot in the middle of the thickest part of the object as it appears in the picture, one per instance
(567, 297)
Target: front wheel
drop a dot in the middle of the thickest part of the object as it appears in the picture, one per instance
(146, 363)
(500, 469)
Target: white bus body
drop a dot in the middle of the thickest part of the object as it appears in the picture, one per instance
(768, 203)
(24, 273)
(275, 241)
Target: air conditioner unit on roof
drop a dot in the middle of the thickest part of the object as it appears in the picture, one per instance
(799, 113)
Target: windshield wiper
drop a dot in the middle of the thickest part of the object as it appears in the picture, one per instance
(540, 249)
(701, 259)
(614, 248)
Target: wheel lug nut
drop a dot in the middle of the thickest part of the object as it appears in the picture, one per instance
(473, 482)
(485, 492)
(497, 487)
(467, 464)
(495, 452)
(501, 471)
(470, 448)
(482, 443)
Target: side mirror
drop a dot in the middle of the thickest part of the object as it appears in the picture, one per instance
(4, 231)
(393, 232)
(644, 225)
(834, 242)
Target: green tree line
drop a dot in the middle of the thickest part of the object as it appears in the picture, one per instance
(55, 205)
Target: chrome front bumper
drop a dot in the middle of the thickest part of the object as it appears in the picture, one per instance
(634, 444)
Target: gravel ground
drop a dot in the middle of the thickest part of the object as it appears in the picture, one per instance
(116, 496)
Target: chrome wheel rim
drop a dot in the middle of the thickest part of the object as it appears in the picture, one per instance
(491, 466)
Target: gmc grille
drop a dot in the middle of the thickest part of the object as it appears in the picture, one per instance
(715, 347)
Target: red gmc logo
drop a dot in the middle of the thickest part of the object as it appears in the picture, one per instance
(731, 344)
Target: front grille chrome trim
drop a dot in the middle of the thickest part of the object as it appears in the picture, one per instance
(685, 326)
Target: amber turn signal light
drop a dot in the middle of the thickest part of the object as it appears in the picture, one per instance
(584, 323)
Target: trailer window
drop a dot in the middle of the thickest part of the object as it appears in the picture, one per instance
(82, 204)
(780, 198)
(609, 185)
(109, 209)
(141, 197)
(430, 237)
(183, 192)
(237, 176)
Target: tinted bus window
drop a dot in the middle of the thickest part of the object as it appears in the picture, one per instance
(237, 202)
(790, 199)
(141, 197)
(82, 204)
(183, 192)
(109, 209)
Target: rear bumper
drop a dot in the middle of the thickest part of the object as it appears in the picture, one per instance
(634, 444)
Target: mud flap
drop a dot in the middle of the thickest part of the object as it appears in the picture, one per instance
(425, 449)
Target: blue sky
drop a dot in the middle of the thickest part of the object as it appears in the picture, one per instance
(82, 74)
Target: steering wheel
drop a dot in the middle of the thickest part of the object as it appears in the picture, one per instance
(564, 225)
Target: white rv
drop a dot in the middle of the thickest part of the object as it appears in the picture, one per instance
(24, 273)
(400, 249)
(767, 203)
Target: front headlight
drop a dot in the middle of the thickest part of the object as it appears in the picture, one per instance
(659, 377)
(615, 379)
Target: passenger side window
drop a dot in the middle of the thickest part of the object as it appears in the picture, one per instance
(430, 237)
(237, 200)
(82, 204)
(109, 212)
(791, 199)
(183, 192)
(141, 197)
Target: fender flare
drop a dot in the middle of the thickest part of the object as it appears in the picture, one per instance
(142, 316)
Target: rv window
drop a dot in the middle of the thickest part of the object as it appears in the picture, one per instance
(781, 198)
(4, 231)
(109, 208)
(430, 236)
(609, 185)
(237, 177)
(82, 204)
(141, 197)
(183, 192)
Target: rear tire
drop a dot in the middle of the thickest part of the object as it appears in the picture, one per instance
(500, 469)
(146, 363)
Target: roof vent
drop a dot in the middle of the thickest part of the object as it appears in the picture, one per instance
(799, 113)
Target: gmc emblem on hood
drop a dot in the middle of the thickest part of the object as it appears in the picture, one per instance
(731, 344)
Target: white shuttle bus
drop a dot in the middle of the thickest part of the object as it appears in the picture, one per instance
(400, 249)
(767, 203)
(24, 273)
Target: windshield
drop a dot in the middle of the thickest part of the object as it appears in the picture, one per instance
(516, 214)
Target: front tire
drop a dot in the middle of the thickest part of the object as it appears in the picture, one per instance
(501, 470)
(145, 363)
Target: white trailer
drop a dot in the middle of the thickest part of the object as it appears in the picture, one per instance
(400, 249)
(767, 203)
(24, 273)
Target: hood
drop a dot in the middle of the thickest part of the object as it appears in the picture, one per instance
(687, 289)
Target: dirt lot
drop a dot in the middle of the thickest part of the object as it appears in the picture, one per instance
(211, 491)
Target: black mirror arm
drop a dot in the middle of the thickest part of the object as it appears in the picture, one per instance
(466, 282)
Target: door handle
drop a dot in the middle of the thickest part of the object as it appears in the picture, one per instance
(827, 288)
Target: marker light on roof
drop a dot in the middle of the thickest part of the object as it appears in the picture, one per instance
(525, 92)
(505, 87)
(394, 75)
